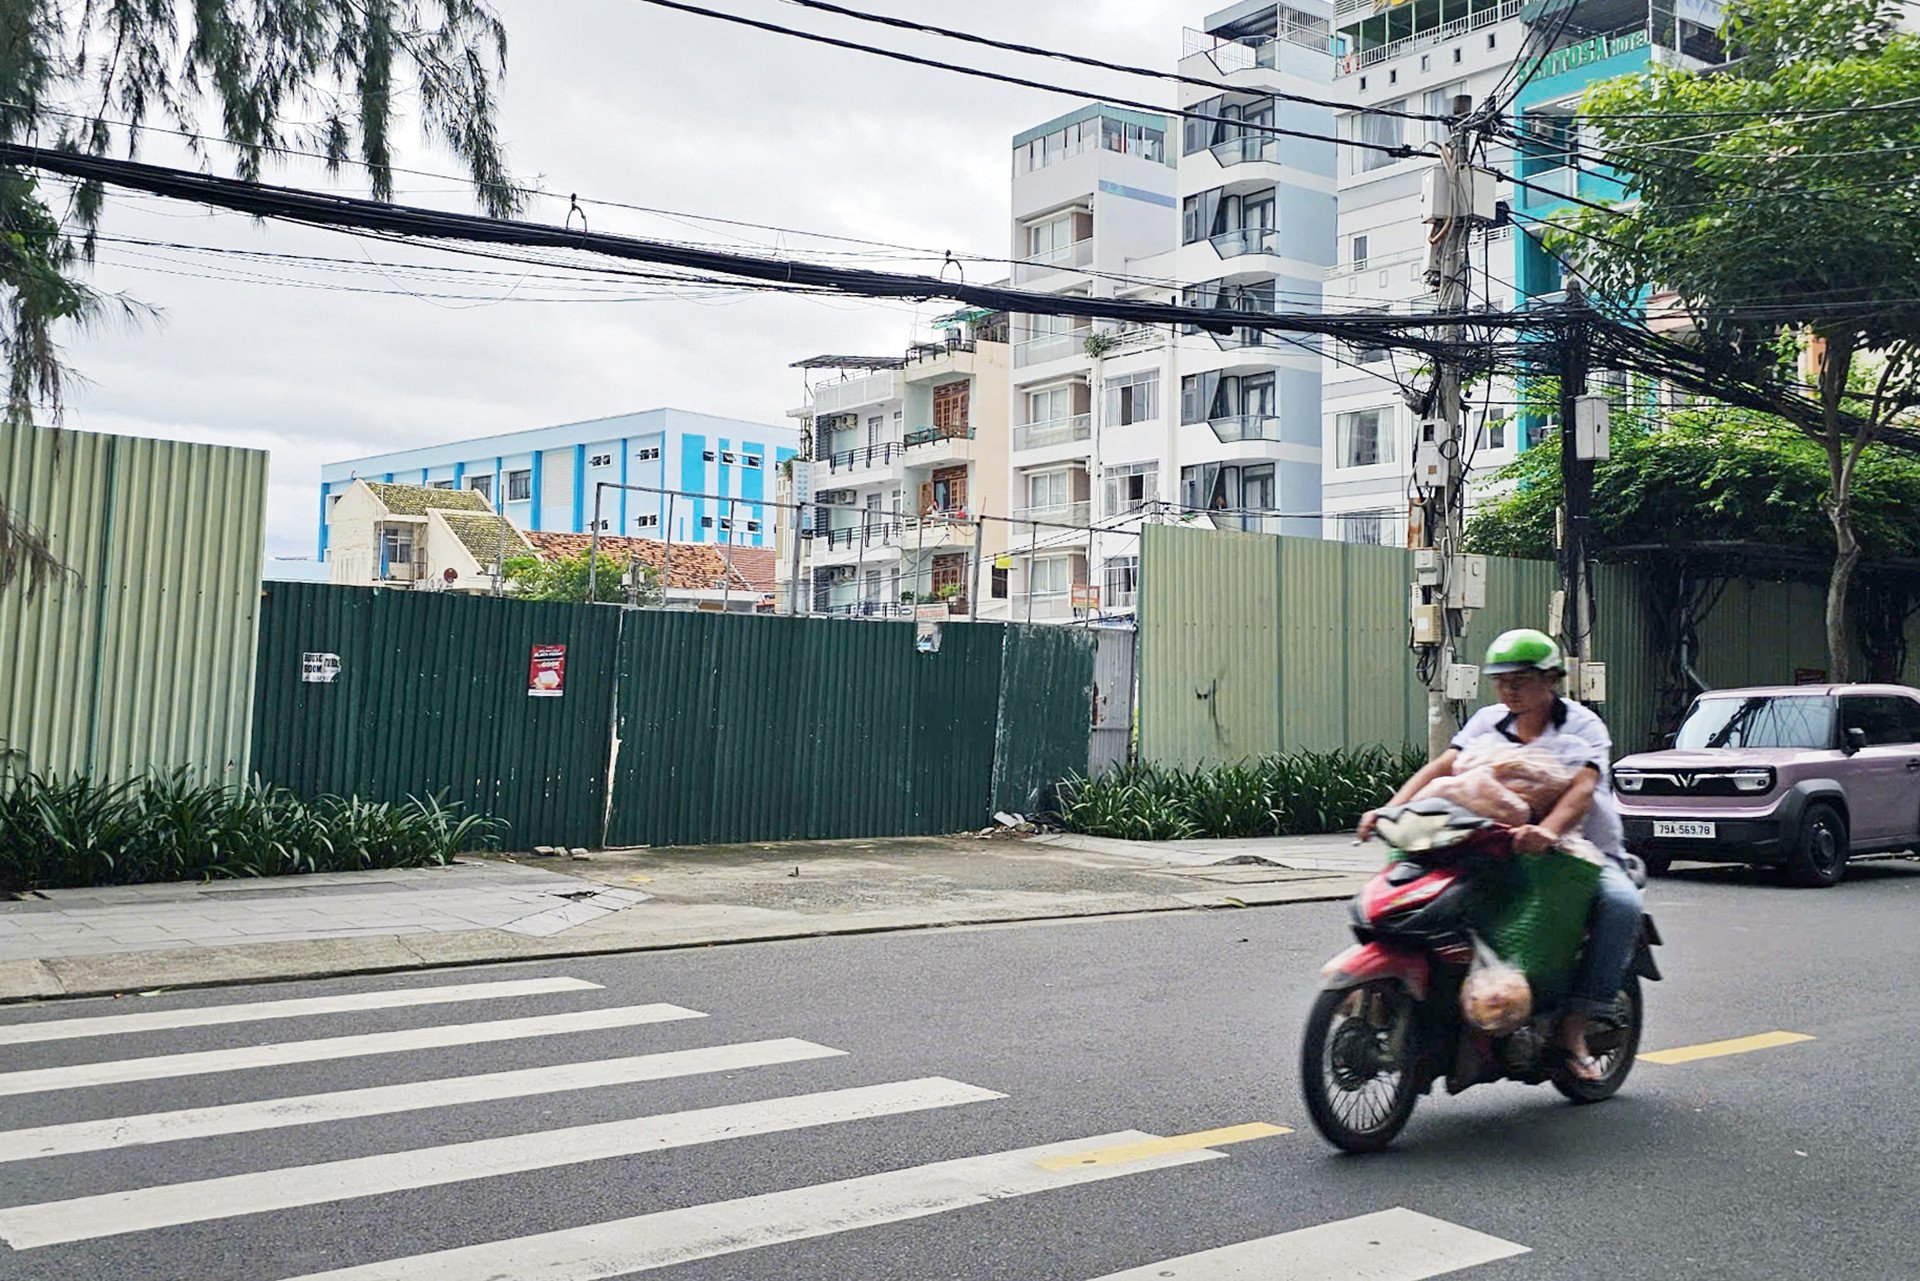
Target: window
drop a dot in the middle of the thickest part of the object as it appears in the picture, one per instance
(1055, 404)
(1050, 576)
(950, 405)
(1804, 722)
(333, 500)
(438, 484)
(646, 522)
(875, 425)
(1123, 581)
(1363, 439)
(1359, 253)
(645, 455)
(1493, 40)
(1047, 489)
(606, 460)
(1493, 435)
(1133, 398)
(706, 522)
(481, 485)
(1439, 102)
(396, 544)
(1363, 84)
(1363, 528)
(729, 459)
(753, 527)
(726, 524)
(1426, 62)
(1375, 130)
(707, 455)
(999, 587)
(602, 525)
(519, 486)
(1131, 487)
(1393, 77)
(1884, 720)
(753, 462)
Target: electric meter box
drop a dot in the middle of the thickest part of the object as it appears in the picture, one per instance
(1463, 682)
(1426, 566)
(1592, 429)
(1470, 197)
(1427, 625)
(1468, 587)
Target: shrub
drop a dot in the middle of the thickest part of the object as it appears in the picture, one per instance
(1292, 794)
(62, 833)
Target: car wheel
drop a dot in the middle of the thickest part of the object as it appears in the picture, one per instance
(1820, 854)
(1657, 864)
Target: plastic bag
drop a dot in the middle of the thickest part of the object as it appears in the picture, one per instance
(1530, 774)
(1495, 997)
(1479, 791)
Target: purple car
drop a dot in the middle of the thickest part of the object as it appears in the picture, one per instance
(1798, 776)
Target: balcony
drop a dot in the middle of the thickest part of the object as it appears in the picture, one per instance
(881, 534)
(1244, 54)
(1063, 516)
(938, 532)
(1066, 258)
(1057, 431)
(866, 458)
(1245, 150)
(1242, 427)
(1246, 240)
(938, 446)
(1047, 347)
(1364, 58)
(1126, 338)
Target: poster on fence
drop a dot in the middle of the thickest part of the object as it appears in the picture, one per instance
(548, 677)
(926, 627)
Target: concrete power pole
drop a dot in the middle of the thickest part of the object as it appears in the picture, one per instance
(1446, 585)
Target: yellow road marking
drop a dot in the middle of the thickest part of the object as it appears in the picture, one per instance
(1159, 1147)
(1714, 1049)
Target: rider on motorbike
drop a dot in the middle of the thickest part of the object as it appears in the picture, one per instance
(1527, 668)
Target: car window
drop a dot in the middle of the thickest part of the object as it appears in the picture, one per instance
(1734, 722)
(1910, 719)
(1884, 720)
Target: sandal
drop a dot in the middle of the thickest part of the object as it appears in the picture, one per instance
(1581, 1067)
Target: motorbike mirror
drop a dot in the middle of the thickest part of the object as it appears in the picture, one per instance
(1856, 740)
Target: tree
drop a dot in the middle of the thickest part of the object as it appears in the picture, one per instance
(565, 579)
(1778, 197)
(273, 77)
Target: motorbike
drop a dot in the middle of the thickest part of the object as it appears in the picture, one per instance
(1387, 1023)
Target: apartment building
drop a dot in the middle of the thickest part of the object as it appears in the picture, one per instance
(908, 471)
(548, 479)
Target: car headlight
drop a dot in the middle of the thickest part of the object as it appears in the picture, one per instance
(1628, 780)
(1752, 780)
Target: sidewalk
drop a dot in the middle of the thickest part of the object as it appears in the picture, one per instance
(96, 942)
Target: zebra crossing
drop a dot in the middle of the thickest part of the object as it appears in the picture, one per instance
(1393, 1245)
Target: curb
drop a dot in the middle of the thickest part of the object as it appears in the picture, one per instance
(117, 973)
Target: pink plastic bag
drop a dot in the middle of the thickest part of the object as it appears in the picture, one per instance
(1495, 996)
(1479, 791)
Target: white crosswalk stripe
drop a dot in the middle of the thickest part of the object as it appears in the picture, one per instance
(39, 1080)
(383, 1100)
(649, 1241)
(1392, 1245)
(29, 1226)
(254, 1011)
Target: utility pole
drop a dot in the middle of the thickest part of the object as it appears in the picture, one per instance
(1438, 519)
(1584, 439)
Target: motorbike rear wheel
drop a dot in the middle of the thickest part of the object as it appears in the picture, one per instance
(1623, 1027)
(1356, 1064)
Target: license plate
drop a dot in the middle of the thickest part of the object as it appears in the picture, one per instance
(1685, 831)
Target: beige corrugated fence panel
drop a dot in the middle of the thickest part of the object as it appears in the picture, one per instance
(142, 659)
(1209, 650)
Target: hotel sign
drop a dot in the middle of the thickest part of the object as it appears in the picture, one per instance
(1587, 52)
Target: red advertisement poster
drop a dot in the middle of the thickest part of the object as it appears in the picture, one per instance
(548, 679)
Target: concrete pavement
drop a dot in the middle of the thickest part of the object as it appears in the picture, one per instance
(137, 938)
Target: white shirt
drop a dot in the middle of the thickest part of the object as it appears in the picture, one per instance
(1576, 737)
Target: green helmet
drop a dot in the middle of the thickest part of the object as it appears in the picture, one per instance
(1523, 650)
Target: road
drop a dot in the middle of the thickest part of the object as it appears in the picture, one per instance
(870, 1107)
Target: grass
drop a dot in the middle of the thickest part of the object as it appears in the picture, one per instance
(1293, 794)
(65, 833)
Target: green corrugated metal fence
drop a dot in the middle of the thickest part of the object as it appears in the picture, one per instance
(712, 728)
(1252, 644)
(140, 660)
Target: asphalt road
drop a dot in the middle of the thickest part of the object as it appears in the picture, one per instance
(1793, 1161)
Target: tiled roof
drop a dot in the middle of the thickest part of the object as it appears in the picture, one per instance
(485, 534)
(692, 568)
(418, 500)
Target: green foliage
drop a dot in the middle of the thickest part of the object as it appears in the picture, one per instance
(1292, 794)
(59, 833)
(1705, 474)
(566, 579)
(271, 78)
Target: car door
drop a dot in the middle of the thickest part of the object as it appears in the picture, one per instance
(1880, 777)
(1907, 811)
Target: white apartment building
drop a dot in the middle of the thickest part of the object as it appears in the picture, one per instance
(907, 452)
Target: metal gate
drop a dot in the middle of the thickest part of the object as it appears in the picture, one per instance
(1113, 698)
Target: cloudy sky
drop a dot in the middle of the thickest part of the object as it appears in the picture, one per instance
(615, 100)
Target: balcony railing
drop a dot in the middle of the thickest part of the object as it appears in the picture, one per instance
(1246, 240)
(1056, 431)
(1244, 150)
(931, 435)
(1133, 337)
(1242, 427)
(1365, 58)
(1042, 605)
(1044, 347)
(1229, 56)
(1068, 515)
(879, 531)
(866, 457)
(1065, 258)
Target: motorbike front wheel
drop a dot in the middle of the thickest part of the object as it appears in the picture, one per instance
(1356, 1064)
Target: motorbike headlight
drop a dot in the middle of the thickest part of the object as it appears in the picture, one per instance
(1752, 780)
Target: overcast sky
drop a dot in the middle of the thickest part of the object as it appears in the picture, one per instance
(616, 100)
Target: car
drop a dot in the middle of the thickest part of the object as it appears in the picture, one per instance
(1802, 777)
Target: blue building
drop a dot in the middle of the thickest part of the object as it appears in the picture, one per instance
(547, 479)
